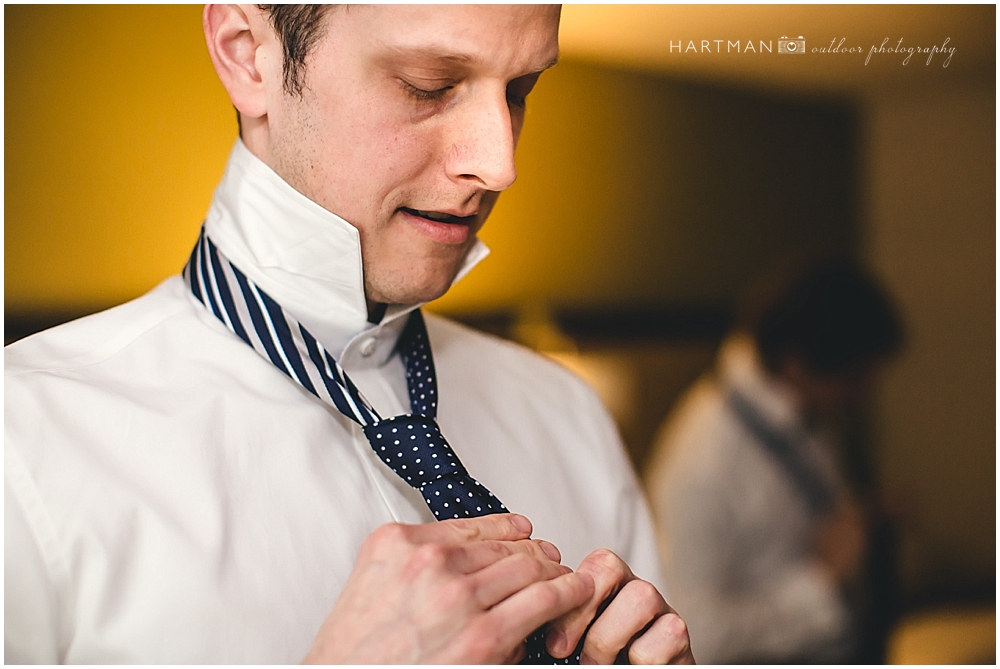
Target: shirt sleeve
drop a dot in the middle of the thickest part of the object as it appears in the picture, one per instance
(31, 634)
(797, 615)
(635, 534)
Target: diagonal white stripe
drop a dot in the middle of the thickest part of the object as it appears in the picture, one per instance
(369, 411)
(218, 295)
(200, 274)
(242, 311)
(365, 417)
(271, 332)
(326, 361)
(354, 407)
(365, 404)
(312, 371)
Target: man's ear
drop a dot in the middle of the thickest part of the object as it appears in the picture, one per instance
(239, 43)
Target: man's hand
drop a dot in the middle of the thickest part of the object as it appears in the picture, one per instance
(636, 623)
(841, 543)
(455, 591)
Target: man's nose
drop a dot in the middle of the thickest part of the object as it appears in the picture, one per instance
(483, 140)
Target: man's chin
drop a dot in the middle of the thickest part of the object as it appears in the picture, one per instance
(410, 292)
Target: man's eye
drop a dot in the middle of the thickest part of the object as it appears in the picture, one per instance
(424, 94)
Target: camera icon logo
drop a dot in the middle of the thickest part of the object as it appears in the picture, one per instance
(786, 45)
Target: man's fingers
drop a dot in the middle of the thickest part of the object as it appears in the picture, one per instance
(497, 526)
(499, 634)
(665, 642)
(516, 655)
(385, 542)
(635, 607)
(525, 611)
(609, 573)
(471, 557)
(512, 574)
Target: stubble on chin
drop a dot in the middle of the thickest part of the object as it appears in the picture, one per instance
(410, 282)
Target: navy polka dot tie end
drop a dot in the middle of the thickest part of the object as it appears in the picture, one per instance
(411, 445)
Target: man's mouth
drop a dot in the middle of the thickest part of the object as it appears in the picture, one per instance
(440, 217)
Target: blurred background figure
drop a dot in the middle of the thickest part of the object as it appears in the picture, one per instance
(767, 537)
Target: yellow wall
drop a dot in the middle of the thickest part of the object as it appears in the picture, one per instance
(116, 131)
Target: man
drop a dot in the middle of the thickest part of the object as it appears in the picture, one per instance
(763, 539)
(180, 488)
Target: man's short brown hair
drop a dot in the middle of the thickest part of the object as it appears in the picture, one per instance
(298, 27)
(831, 313)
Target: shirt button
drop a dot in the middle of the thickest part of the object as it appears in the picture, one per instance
(368, 347)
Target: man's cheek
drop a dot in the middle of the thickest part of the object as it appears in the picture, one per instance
(406, 147)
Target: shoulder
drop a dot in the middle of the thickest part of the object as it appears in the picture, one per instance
(496, 362)
(159, 337)
(99, 337)
(699, 418)
(699, 443)
(454, 339)
(95, 376)
(527, 407)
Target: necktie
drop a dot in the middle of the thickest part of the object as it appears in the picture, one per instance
(411, 445)
(810, 483)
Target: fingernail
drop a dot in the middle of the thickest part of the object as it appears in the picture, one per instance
(586, 659)
(556, 642)
(550, 551)
(521, 523)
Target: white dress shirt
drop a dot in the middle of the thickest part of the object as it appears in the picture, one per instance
(170, 496)
(737, 532)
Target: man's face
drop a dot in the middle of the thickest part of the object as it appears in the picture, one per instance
(406, 129)
(834, 393)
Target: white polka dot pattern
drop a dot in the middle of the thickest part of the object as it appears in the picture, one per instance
(413, 447)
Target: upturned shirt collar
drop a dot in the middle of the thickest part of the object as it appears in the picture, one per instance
(307, 258)
(739, 369)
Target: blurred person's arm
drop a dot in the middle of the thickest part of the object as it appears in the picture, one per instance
(842, 543)
(796, 611)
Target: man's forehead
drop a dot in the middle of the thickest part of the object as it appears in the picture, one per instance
(460, 34)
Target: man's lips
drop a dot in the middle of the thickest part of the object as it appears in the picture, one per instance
(440, 216)
(442, 227)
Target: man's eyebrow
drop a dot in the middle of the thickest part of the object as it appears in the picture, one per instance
(431, 53)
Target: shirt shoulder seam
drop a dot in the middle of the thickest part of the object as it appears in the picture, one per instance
(89, 359)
